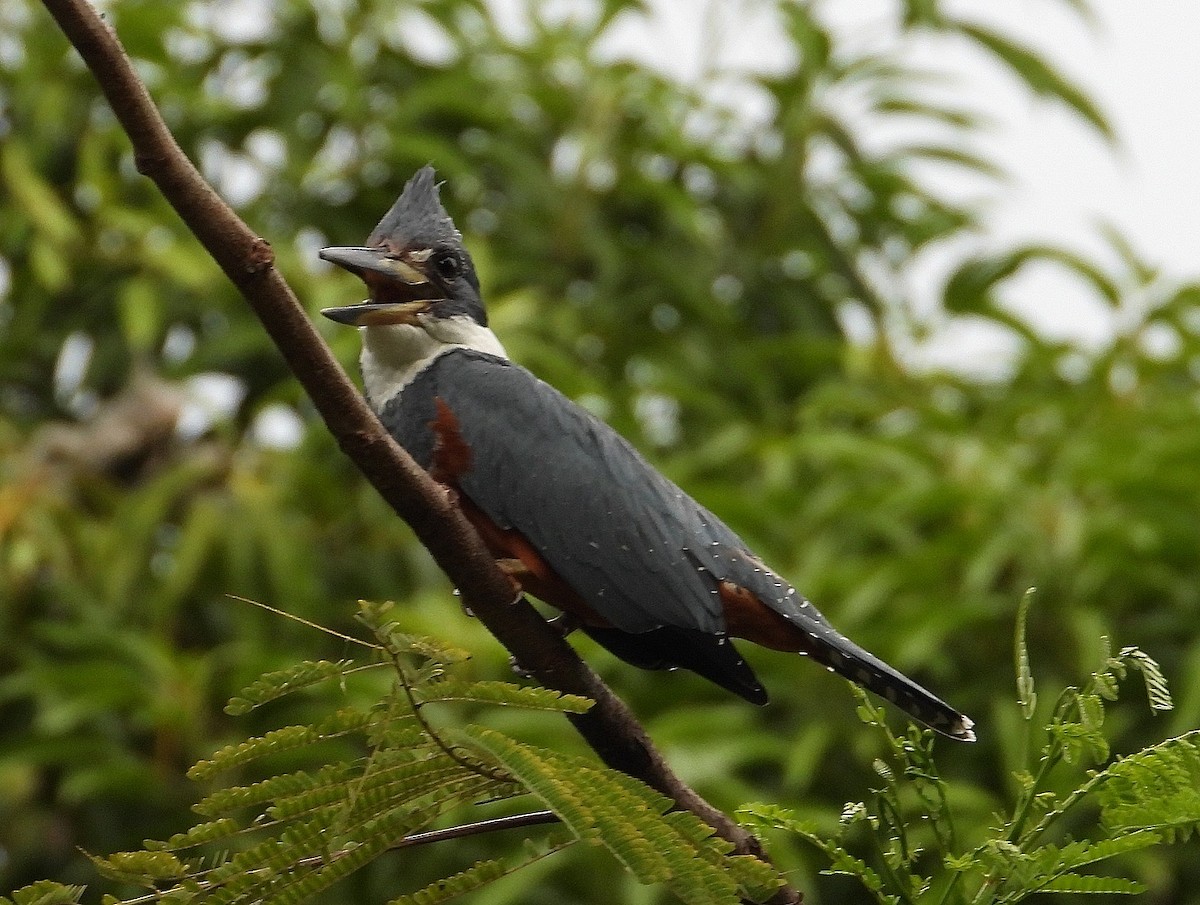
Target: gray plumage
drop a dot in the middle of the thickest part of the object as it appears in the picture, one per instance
(640, 551)
(643, 555)
(417, 218)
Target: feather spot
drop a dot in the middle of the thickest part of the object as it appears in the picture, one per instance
(451, 453)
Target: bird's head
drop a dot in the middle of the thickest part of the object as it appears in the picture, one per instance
(416, 268)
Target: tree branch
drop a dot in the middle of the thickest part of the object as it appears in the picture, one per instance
(609, 726)
(492, 825)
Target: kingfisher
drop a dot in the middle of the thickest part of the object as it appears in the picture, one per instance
(573, 514)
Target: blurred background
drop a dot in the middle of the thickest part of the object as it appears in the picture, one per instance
(867, 282)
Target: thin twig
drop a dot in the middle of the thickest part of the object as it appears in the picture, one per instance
(307, 622)
(609, 726)
(494, 825)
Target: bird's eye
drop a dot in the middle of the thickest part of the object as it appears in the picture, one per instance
(447, 266)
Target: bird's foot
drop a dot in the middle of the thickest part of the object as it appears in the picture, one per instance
(518, 670)
(515, 570)
(466, 608)
(563, 623)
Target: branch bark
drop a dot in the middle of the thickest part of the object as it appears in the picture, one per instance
(248, 261)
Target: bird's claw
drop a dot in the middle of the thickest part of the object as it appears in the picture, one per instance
(518, 670)
(563, 624)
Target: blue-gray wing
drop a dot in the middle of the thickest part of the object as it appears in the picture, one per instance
(630, 542)
(634, 546)
(641, 552)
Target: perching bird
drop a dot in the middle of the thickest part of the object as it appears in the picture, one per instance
(572, 511)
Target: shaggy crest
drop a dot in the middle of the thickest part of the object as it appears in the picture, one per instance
(417, 218)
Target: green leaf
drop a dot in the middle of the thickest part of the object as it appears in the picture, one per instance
(141, 867)
(1080, 854)
(276, 684)
(970, 289)
(531, 697)
(1026, 696)
(37, 198)
(629, 819)
(200, 834)
(481, 874)
(1157, 788)
(759, 817)
(1156, 683)
(1091, 885)
(286, 739)
(44, 892)
(1034, 70)
(141, 314)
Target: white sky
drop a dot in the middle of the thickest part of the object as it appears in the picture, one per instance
(1140, 63)
(1137, 59)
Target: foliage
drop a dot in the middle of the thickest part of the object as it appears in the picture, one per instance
(287, 837)
(677, 264)
(913, 843)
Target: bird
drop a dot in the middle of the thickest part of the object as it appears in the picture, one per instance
(571, 511)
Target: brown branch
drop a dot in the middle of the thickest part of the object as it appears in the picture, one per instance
(609, 726)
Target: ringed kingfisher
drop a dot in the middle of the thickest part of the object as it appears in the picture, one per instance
(571, 511)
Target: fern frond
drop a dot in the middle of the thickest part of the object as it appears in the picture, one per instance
(1080, 854)
(44, 892)
(300, 832)
(475, 877)
(450, 785)
(414, 777)
(282, 682)
(235, 798)
(1157, 691)
(200, 834)
(481, 874)
(1075, 740)
(626, 817)
(247, 874)
(399, 732)
(399, 643)
(288, 738)
(1021, 873)
(1157, 788)
(374, 837)
(759, 879)
(759, 816)
(532, 697)
(1086, 884)
(1026, 696)
(141, 868)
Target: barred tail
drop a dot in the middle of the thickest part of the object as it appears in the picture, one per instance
(846, 658)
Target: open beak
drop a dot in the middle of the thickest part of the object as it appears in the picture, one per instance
(375, 266)
(362, 261)
(378, 314)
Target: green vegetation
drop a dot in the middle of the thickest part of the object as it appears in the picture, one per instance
(1145, 799)
(689, 277)
(288, 837)
(307, 831)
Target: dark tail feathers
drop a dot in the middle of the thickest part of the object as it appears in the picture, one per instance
(846, 658)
